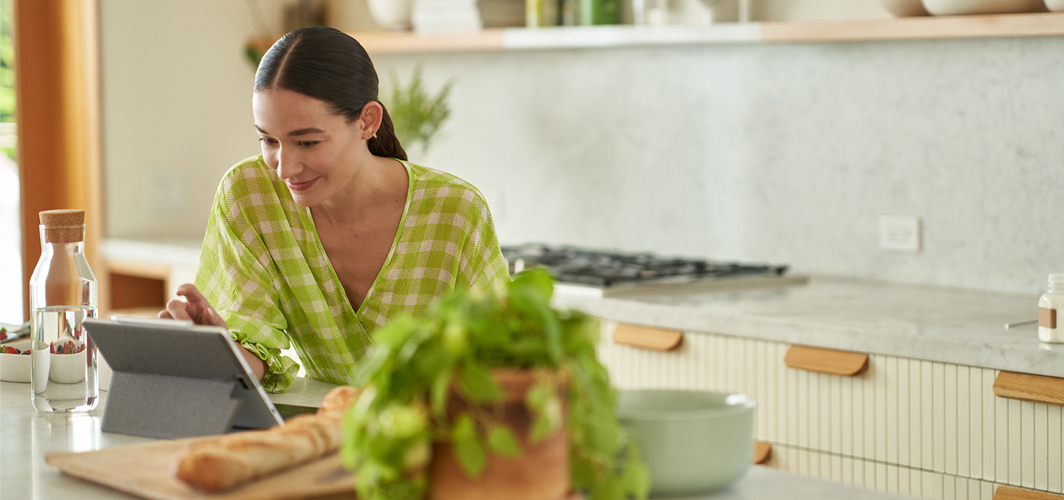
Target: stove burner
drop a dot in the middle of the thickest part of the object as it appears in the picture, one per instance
(589, 267)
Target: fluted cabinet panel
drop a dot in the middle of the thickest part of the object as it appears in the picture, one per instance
(904, 426)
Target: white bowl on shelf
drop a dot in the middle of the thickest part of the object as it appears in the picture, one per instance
(964, 7)
(1055, 5)
(68, 368)
(904, 8)
(15, 367)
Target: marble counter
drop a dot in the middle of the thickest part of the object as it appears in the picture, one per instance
(929, 323)
(957, 326)
(27, 436)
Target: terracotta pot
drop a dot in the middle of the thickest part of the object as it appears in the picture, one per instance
(540, 473)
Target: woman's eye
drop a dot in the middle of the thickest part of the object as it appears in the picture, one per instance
(307, 144)
(267, 140)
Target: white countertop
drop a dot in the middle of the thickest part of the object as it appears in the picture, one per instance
(924, 322)
(27, 436)
(172, 252)
(956, 326)
(929, 323)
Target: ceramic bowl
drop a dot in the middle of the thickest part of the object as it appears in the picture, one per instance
(68, 368)
(692, 442)
(960, 7)
(15, 367)
(1055, 5)
(904, 8)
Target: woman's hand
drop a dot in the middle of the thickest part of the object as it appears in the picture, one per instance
(196, 308)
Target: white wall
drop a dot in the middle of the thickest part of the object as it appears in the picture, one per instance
(778, 152)
(176, 109)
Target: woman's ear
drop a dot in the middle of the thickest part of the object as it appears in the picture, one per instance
(371, 117)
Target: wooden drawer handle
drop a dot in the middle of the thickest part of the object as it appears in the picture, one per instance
(1027, 387)
(762, 452)
(645, 337)
(1009, 493)
(828, 361)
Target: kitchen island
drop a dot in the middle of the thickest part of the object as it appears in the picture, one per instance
(26, 437)
(928, 410)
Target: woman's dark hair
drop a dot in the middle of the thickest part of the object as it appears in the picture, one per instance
(329, 65)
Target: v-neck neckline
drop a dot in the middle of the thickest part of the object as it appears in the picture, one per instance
(348, 306)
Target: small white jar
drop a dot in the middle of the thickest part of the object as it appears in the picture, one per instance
(1050, 319)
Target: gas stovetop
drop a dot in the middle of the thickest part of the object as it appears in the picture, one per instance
(599, 269)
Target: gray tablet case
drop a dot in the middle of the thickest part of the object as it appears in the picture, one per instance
(172, 379)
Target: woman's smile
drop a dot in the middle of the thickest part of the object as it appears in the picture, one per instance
(300, 186)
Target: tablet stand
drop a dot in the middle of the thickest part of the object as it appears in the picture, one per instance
(169, 407)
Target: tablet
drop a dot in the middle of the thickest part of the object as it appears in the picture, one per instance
(174, 379)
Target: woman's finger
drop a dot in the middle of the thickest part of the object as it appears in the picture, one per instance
(192, 294)
(177, 309)
(198, 307)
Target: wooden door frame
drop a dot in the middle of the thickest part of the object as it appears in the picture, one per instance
(57, 75)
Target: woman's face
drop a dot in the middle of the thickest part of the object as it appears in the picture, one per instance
(314, 151)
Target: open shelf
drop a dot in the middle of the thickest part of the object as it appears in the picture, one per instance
(915, 28)
(578, 37)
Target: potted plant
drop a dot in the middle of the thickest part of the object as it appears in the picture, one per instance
(417, 115)
(479, 391)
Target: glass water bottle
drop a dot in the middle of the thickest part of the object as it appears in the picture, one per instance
(62, 294)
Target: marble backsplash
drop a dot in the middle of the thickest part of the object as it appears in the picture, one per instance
(786, 153)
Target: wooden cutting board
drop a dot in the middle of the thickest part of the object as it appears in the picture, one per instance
(145, 469)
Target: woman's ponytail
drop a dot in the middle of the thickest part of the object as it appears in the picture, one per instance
(385, 143)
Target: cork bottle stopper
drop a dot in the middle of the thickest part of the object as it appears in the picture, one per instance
(63, 226)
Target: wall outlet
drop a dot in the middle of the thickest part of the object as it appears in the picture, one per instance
(899, 233)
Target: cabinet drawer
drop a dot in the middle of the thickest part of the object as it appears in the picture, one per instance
(908, 413)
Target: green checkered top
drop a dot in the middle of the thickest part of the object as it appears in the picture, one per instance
(264, 269)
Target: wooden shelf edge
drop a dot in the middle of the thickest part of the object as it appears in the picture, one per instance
(1010, 493)
(830, 361)
(1027, 387)
(603, 37)
(401, 42)
(913, 28)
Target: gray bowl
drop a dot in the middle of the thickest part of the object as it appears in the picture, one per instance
(692, 442)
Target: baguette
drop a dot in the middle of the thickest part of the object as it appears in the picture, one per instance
(227, 461)
(339, 399)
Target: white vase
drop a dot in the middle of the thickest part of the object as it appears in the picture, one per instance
(1055, 5)
(391, 14)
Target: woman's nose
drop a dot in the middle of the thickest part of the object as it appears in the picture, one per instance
(287, 163)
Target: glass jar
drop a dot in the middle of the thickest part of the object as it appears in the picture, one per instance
(63, 294)
(1050, 305)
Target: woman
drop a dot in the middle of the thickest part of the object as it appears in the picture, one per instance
(330, 231)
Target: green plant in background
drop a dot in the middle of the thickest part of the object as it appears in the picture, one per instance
(7, 74)
(416, 114)
(418, 362)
